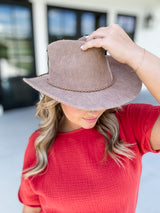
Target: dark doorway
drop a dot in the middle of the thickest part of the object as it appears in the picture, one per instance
(17, 58)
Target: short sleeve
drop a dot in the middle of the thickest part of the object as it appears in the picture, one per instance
(26, 193)
(141, 119)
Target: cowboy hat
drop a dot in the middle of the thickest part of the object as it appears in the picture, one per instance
(88, 79)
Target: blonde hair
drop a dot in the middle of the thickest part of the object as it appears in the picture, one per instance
(50, 113)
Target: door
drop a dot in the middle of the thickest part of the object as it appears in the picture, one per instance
(16, 55)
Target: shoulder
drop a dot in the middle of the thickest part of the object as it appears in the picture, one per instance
(34, 136)
(31, 141)
(136, 122)
(30, 152)
(138, 108)
(137, 116)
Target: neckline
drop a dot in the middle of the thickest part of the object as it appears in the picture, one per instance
(80, 130)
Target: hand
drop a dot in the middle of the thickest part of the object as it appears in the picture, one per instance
(118, 44)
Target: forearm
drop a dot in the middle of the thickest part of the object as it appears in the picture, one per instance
(147, 67)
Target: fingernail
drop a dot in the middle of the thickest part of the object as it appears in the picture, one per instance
(86, 36)
(82, 47)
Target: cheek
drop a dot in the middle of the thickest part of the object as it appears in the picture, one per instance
(70, 112)
(102, 111)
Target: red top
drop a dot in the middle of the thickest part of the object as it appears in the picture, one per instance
(75, 180)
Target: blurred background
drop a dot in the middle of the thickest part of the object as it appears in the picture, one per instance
(26, 27)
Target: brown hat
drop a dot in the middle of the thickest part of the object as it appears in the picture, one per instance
(85, 79)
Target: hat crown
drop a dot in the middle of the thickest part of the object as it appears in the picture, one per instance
(71, 68)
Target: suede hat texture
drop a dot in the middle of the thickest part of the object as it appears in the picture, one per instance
(88, 79)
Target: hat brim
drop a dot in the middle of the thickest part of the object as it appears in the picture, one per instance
(126, 86)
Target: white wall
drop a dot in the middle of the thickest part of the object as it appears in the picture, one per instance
(145, 37)
(149, 38)
(40, 35)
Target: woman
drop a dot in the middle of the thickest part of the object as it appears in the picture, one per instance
(86, 155)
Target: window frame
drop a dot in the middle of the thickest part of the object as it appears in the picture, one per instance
(134, 17)
(79, 13)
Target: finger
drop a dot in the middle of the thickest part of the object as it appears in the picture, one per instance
(92, 43)
(99, 33)
(95, 34)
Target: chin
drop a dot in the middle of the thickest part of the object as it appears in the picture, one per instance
(89, 126)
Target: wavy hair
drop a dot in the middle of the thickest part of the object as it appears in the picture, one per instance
(50, 113)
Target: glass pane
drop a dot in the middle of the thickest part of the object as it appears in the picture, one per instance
(22, 26)
(62, 22)
(87, 23)
(102, 21)
(15, 41)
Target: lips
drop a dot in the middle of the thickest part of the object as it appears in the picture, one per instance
(90, 120)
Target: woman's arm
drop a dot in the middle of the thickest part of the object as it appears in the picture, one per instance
(114, 40)
(27, 209)
(147, 66)
(148, 71)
